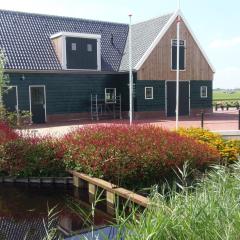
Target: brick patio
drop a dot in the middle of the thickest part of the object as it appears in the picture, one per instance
(218, 121)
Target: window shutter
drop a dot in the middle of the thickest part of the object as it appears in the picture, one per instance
(174, 57)
(182, 58)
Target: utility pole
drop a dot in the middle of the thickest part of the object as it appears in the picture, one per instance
(130, 72)
(178, 67)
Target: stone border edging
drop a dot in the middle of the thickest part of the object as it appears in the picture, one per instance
(37, 180)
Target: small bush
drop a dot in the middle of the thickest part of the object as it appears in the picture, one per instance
(229, 149)
(15, 119)
(132, 154)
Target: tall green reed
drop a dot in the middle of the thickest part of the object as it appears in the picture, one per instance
(209, 210)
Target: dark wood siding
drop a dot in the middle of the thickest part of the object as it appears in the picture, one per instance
(81, 58)
(155, 104)
(196, 100)
(70, 93)
(158, 102)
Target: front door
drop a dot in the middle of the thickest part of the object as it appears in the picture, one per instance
(183, 98)
(10, 98)
(37, 103)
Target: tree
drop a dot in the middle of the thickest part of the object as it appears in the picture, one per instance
(4, 79)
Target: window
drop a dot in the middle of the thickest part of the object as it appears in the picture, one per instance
(110, 95)
(148, 92)
(89, 47)
(74, 47)
(203, 91)
(182, 53)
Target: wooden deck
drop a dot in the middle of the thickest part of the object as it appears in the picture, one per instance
(111, 189)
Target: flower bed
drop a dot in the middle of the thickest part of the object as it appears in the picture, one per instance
(229, 149)
(133, 154)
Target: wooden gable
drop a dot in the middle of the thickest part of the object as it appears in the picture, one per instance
(158, 64)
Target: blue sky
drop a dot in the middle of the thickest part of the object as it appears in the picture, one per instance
(214, 22)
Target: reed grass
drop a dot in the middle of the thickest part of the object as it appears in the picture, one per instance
(209, 210)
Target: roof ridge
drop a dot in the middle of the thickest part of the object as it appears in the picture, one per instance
(153, 18)
(62, 17)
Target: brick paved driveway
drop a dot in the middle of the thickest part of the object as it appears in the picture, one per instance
(218, 121)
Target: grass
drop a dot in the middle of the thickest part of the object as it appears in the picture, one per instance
(222, 94)
(211, 210)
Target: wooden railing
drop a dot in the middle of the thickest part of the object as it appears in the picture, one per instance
(112, 191)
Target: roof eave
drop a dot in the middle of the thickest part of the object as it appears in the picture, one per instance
(26, 71)
(75, 34)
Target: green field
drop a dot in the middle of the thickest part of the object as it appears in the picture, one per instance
(225, 94)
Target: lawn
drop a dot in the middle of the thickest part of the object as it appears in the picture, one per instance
(225, 95)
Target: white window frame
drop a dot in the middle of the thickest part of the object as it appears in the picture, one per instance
(185, 55)
(201, 92)
(115, 91)
(16, 93)
(148, 98)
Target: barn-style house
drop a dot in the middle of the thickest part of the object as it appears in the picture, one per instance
(64, 68)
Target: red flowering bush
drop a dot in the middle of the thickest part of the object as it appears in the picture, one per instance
(132, 154)
(7, 133)
(29, 156)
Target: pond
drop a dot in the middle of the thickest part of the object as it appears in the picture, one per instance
(24, 211)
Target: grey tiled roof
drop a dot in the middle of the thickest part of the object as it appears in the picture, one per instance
(25, 38)
(13, 229)
(143, 34)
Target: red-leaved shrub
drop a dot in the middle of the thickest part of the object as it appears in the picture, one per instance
(132, 154)
(22, 155)
(32, 157)
(6, 133)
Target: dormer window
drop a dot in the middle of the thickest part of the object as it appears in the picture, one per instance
(78, 51)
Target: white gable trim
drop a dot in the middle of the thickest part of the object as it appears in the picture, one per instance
(162, 33)
(74, 34)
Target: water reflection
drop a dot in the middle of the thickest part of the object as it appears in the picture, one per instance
(23, 209)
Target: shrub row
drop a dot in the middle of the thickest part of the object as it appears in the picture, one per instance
(126, 155)
(133, 154)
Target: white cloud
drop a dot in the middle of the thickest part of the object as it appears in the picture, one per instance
(225, 43)
(228, 78)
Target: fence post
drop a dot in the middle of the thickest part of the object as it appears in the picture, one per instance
(202, 119)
